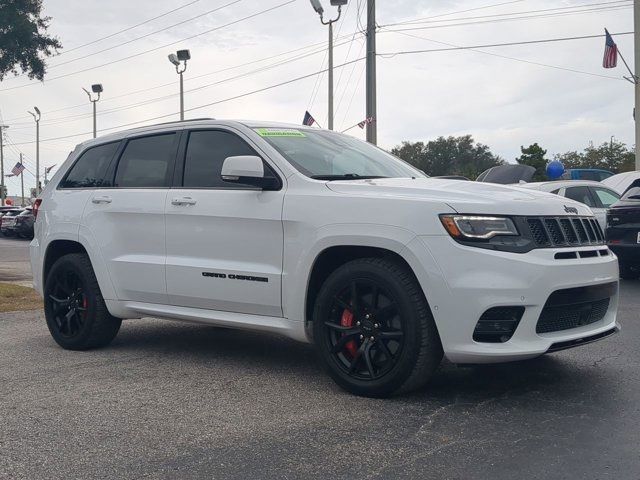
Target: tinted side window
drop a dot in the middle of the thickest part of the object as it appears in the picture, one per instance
(146, 162)
(206, 152)
(606, 197)
(580, 194)
(90, 168)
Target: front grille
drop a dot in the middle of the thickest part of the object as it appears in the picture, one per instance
(564, 231)
(575, 307)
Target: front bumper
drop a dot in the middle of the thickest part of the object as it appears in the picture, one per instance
(462, 282)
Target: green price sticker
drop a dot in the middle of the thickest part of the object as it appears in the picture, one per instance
(279, 132)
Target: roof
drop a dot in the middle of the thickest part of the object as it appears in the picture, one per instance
(189, 122)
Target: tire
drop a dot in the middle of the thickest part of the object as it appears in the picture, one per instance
(385, 344)
(72, 285)
(628, 273)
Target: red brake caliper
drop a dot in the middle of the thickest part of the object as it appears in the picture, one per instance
(347, 321)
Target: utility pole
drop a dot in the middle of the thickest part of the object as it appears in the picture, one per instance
(179, 60)
(95, 88)
(330, 112)
(2, 186)
(372, 108)
(36, 117)
(636, 36)
(22, 182)
(317, 6)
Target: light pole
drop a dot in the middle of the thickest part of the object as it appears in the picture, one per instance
(317, 6)
(36, 116)
(2, 187)
(96, 88)
(179, 59)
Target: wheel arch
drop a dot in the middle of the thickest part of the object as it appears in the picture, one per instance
(59, 247)
(329, 259)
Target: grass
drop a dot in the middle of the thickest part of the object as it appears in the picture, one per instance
(15, 297)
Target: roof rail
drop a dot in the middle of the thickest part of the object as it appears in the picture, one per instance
(178, 121)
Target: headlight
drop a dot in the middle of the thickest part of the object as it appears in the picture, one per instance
(477, 227)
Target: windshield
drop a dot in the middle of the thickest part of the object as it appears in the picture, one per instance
(332, 156)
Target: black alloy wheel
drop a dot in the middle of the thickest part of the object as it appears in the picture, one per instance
(373, 328)
(75, 311)
(364, 330)
(68, 303)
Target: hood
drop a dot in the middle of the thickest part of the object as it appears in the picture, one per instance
(506, 174)
(464, 197)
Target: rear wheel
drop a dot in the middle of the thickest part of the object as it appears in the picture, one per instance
(373, 329)
(75, 311)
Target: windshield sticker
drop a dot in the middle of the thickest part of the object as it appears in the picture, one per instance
(279, 132)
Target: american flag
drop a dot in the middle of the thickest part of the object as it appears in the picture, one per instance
(18, 169)
(610, 59)
(308, 120)
(365, 122)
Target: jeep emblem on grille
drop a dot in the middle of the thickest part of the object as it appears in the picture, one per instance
(571, 209)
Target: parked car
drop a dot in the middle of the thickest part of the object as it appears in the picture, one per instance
(623, 233)
(6, 219)
(623, 181)
(19, 224)
(594, 174)
(507, 174)
(594, 194)
(320, 237)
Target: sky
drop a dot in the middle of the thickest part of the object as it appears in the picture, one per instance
(502, 96)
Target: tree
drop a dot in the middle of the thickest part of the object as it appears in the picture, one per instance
(534, 156)
(24, 42)
(449, 156)
(613, 156)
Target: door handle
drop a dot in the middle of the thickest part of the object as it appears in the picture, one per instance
(183, 201)
(103, 199)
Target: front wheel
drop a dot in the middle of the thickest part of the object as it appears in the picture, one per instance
(75, 311)
(373, 329)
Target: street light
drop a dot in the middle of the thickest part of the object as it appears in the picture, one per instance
(95, 88)
(3, 188)
(179, 60)
(36, 116)
(317, 6)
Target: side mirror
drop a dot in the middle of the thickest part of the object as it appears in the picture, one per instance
(247, 170)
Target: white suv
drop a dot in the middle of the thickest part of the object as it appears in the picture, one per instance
(322, 238)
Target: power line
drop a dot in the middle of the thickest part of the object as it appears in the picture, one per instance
(145, 35)
(157, 48)
(571, 7)
(217, 102)
(529, 42)
(466, 10)
(155, 87)
(201, 87)
(512, 58)
(128, 28)
(511, 19)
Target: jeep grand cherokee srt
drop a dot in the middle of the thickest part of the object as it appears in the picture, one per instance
(320, 237)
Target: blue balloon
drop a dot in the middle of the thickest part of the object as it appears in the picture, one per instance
(555, 169)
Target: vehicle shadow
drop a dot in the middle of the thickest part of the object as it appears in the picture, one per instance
(560, 376)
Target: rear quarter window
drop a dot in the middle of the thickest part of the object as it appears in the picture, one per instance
(90, 169)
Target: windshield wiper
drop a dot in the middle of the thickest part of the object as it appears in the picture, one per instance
(346, 176)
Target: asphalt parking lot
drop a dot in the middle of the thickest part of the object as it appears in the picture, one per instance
(180, 401)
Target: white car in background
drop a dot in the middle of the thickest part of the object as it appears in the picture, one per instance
(595, 195)
(623, 181)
